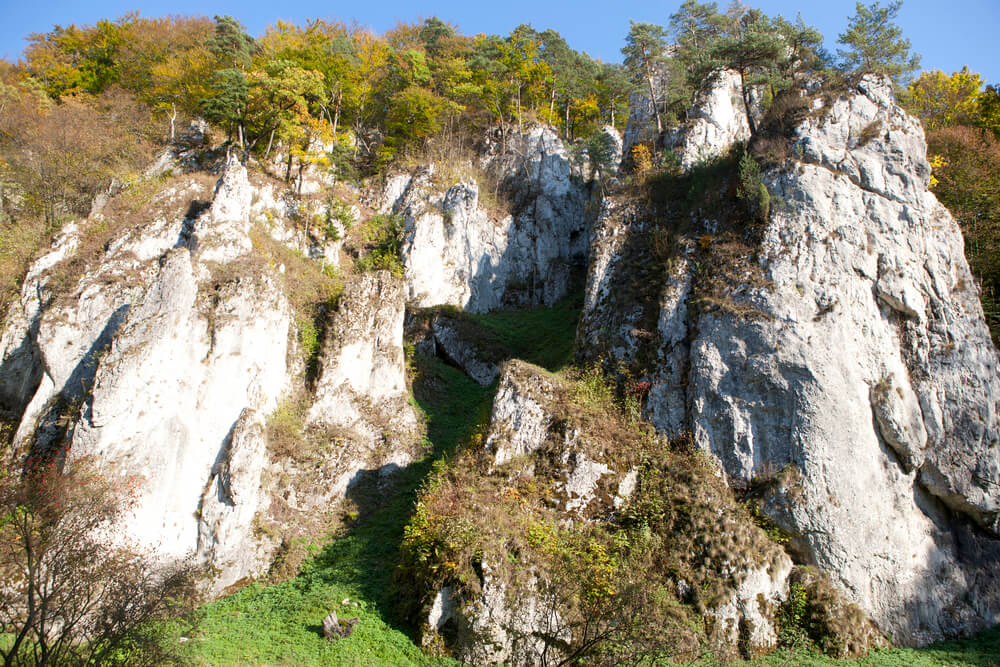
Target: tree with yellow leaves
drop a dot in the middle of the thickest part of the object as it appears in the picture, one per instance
(940, 100)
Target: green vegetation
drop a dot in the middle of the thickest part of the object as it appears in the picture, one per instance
(875, 44)
(382, 237)
(89, 106)
(280, 624)
(541, 336)
(982, 650)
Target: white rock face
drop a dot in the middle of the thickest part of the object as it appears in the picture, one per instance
(170, 391)
(154, 374)
(521, 419)
(867, 368)
(456, 252)
(230, 505)
(752, 605)
(166, 374)
(361, 391)
(20, 367)
(717, 120)
(224, 233)
(498, 627)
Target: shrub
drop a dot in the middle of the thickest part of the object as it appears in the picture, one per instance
(75, 591)
(383, 239)
(642, 158)
(751, 189)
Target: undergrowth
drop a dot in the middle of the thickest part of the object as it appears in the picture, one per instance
(382, 239)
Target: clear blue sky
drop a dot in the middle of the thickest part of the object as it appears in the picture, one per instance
(947, 33)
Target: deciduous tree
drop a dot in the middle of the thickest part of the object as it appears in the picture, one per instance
(69, 596)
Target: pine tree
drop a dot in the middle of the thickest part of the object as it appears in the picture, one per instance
(876, 45)
(644, 49)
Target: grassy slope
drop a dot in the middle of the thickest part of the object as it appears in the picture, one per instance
(280, 624)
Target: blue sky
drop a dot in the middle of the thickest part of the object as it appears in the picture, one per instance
(947, 33)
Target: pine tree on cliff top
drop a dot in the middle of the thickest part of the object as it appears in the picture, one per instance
(876, 45)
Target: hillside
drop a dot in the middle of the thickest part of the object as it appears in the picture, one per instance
(499, 362)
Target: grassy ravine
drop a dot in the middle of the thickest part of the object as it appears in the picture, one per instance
(280, 624)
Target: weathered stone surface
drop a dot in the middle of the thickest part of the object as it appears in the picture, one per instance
(20, 366)
(223, 234)
(521, 419)
(452, 342)
(501, 627)
(717, 120)
(532, 432)
(361, 391)
(171, 388)
(155, 367)
(456, 252)
(230, 505)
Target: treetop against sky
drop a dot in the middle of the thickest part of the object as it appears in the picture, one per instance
(946, 34)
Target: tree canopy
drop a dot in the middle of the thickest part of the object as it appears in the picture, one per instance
(875, 44)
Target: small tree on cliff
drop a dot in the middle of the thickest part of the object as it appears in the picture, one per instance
(876, 45)
(67, 597)
(644, 50)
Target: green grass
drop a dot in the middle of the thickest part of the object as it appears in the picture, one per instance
(541, 336)
(982, 650)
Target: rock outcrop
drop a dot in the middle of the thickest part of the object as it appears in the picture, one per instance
(458, 252)
(860, 360)
(716, 121)
(586, 467)
(164, 357)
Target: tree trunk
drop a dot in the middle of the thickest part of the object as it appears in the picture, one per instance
(746, 105)
(652, 97)
(336, 113)
(288, 168)
(520, 128)
(173, 117)
(270, 140)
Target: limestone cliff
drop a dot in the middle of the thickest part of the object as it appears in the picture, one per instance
(827, 364)
(457, 251)
(849, 352)
(166, 355)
